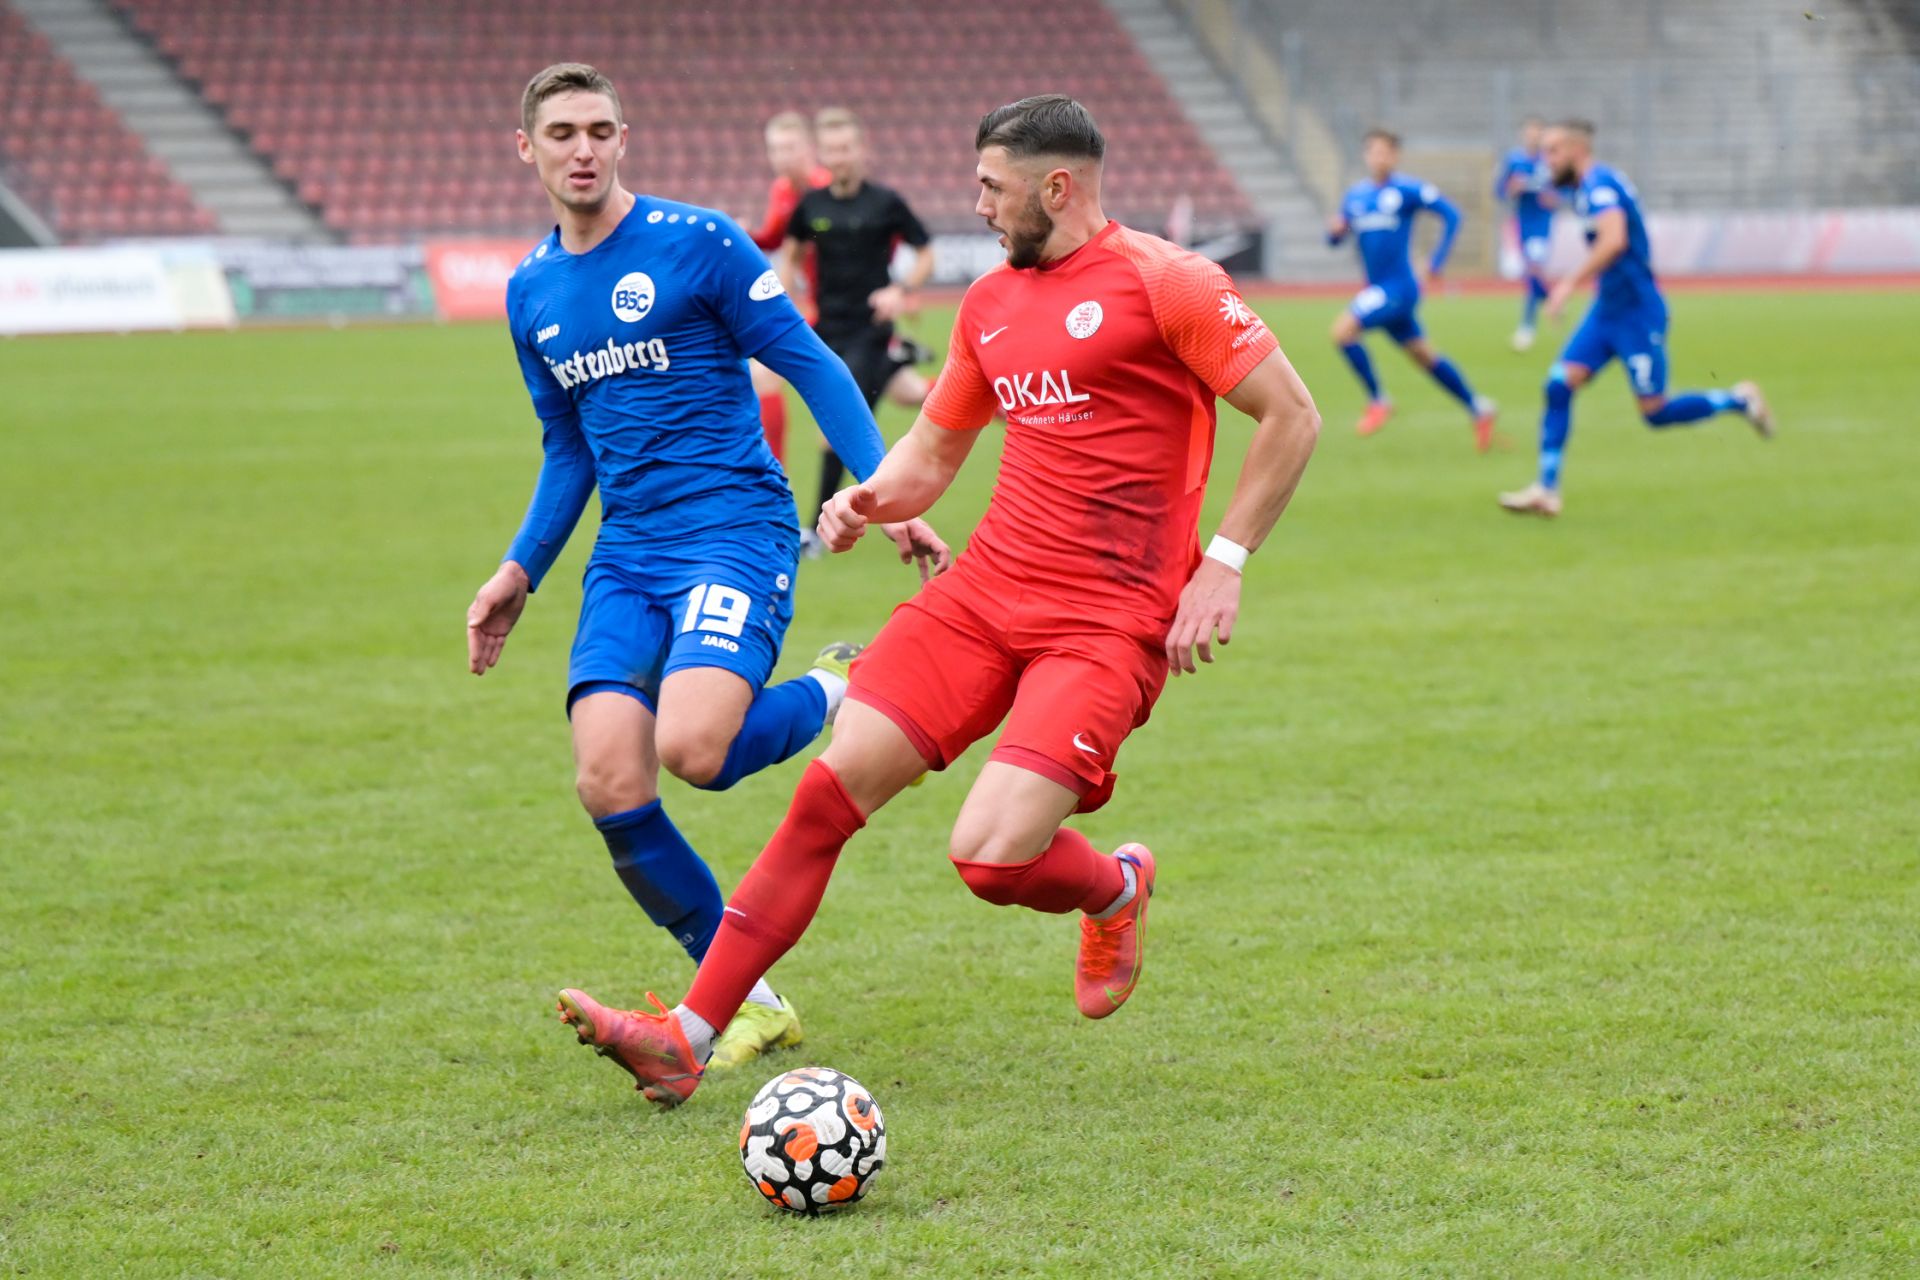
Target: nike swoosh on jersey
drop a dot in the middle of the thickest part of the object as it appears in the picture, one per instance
(1092, 751)
(986, 337)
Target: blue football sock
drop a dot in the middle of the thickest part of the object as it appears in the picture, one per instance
(782, 720)
(1447, 374)
(1555, 423)
(664, 875)
(1362, 366)
(1693, 406)
(1536, 294)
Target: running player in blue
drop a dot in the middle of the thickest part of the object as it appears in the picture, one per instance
(1522, 184)
(1379, 213)
(1628, 319)
(633, 322)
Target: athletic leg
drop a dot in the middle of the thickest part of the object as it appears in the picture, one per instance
(935, 679)
(869, 761)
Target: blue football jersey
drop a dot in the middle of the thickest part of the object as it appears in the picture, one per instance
(1381, 215)
(1527, 207)
(1628, 284)
(645, 337)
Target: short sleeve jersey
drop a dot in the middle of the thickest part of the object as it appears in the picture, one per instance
(1534, 217)
(853, 238)
(1106, 363)
(1627, 285)
(645, 337)
(1381, 215)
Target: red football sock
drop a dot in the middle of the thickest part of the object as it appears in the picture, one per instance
(1071, 875)
(776, 900)
(773, 422)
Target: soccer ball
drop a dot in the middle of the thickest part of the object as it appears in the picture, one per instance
(813, 1140)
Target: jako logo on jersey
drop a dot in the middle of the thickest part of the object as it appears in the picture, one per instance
(615, 357)
(633, 296)
(767, 286)
(1019, 391)
(1084, 320)
(719, 642)
(551, 331)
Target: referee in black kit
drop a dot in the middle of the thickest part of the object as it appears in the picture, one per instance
(853, 225)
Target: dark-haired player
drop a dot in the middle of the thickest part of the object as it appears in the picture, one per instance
(1083, 587)
(1628, 319)
(1378, 212)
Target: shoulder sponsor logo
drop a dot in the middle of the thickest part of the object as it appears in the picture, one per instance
(767, 286)
(986, 337)
(551, 331)
(1084, 320)
(633, 296)
(1234, 311)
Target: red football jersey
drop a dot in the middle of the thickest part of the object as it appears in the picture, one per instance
(1106, 363)
(782, 198)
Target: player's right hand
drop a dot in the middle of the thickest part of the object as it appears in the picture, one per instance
(495, 608)
(844, 518)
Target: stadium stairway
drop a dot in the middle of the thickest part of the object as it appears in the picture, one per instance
(1294, 249)
(201, 152)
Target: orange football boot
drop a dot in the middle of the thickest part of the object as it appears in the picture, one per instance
(651, 1047)
(1484, 414)
(1378, 411)
(1112, 951)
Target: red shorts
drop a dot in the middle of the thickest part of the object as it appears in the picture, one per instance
(955, 660)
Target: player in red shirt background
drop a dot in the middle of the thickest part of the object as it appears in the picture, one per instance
(793, 156)
(1082, 588)
(796, 171)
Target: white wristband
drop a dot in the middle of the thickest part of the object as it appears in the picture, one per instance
(1228, 553)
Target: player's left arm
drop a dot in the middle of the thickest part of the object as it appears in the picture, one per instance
(895, 300)
(1450, 219)
(1609, 242)
(1286, 426)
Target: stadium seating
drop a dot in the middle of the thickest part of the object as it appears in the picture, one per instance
(1712, 104)
(396, 119)
(72, 158)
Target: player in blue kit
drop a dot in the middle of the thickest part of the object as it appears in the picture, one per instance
(1628, 319)
(1379, 214)
(1523, 184)
(633, 322)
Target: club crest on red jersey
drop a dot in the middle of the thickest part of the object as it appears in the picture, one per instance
(1084, 320)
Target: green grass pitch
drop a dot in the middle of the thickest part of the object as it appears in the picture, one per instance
(1537, 899)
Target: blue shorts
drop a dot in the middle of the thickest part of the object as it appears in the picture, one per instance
(1536, 241)
(642, 618)
(1637, 337)
(1391, 307)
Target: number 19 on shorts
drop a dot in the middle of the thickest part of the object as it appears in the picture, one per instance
(720, 611)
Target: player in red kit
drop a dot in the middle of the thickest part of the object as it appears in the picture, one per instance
(796, 171)
(1083, 587)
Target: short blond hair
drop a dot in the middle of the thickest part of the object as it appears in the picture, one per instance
(564, 77)
(838, 118)
(790, 121)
